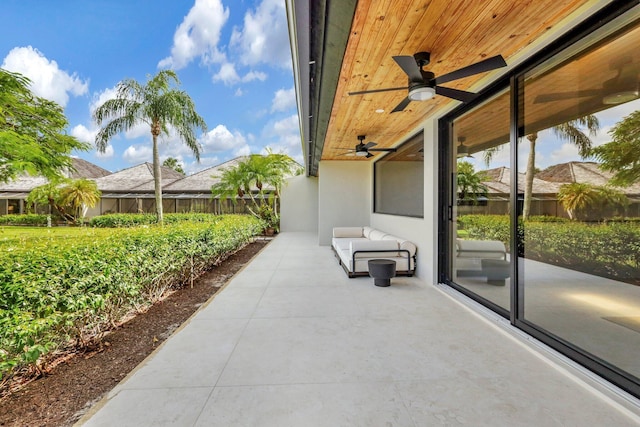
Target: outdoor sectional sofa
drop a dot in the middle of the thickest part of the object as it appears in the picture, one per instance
(355, 246)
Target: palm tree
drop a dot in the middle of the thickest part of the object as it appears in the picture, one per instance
(233, 184)
(160, 106)
(577, 196)
(259, 171)
(80, 194)
(172, 163)
(66, 196)
(569, 131)
(469, 182)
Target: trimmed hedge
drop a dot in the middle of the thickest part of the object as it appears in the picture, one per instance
(54, 291)
(24, 219)
(133, 220)
(609, 249)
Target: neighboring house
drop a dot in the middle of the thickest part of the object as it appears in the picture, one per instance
(564, 61)
(14, 193)
(131, 190)
(546, 185)
(193, 193)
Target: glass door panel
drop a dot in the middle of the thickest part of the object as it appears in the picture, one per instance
(480, 187)
(580, 207)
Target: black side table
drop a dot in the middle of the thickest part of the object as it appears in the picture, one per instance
(382, 270)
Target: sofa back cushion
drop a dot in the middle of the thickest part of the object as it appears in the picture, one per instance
(376, 235)
(374, 245)
(404, 244)
(347, 232)
(480, 249)
(366, 232)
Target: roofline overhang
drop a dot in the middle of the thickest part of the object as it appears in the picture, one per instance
(318, 34)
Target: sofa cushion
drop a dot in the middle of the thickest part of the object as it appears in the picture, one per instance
(342, 243)
(373, 245)
(409, 246)
(347, 232)
(404, 244)
(366, 231)
(376, 235)
(491, 249)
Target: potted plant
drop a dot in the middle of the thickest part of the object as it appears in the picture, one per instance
(271, 220)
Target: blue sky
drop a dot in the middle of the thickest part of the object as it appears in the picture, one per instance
(232, 57)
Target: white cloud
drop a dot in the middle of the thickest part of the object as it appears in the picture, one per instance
(47, 80)
(108, 152)
(283, 136)
(254, 75)
(287, 126)
(205, 162)
(239, 92)
(221, 139)
(136, 154)
(264, 37)
(100, 98)
(565, 153)
(141, 129)
(198, 35)
(283, 100)
(245, 150)
(84, 134)
(229, 76)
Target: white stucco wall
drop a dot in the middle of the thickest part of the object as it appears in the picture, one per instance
(344, 196)
(299, 204)
(422, 231)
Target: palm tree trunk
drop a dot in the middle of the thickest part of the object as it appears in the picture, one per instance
(157, 179)
(531, 170)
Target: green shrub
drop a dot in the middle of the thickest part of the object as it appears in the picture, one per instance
(24, 219)
(133, 220)
(55, 291)
(485, 227)
(610, 249)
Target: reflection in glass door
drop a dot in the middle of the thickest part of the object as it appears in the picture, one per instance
(580, 147)
(480, 188)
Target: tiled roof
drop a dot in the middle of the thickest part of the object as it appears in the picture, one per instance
(136, 178)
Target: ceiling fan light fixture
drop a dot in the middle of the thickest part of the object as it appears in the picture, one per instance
(620, 97)
(362, 153)
(463, 151)
(421, 93)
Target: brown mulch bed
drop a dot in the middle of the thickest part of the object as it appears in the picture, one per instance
(62, 396)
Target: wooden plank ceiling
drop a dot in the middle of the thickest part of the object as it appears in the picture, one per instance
(456, 33)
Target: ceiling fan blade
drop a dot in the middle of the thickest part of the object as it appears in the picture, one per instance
(559, 96)
(403, 104)
(390, 150)
(470, 70)
(460, 95)
(409, 66)
(370, 144)
(362, 92)
(369, 155)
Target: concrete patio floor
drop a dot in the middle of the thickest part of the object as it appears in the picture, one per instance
(291, 341)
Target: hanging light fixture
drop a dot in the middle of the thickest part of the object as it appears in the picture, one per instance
(463, 150)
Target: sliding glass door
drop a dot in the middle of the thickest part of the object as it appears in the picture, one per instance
(540, 194)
